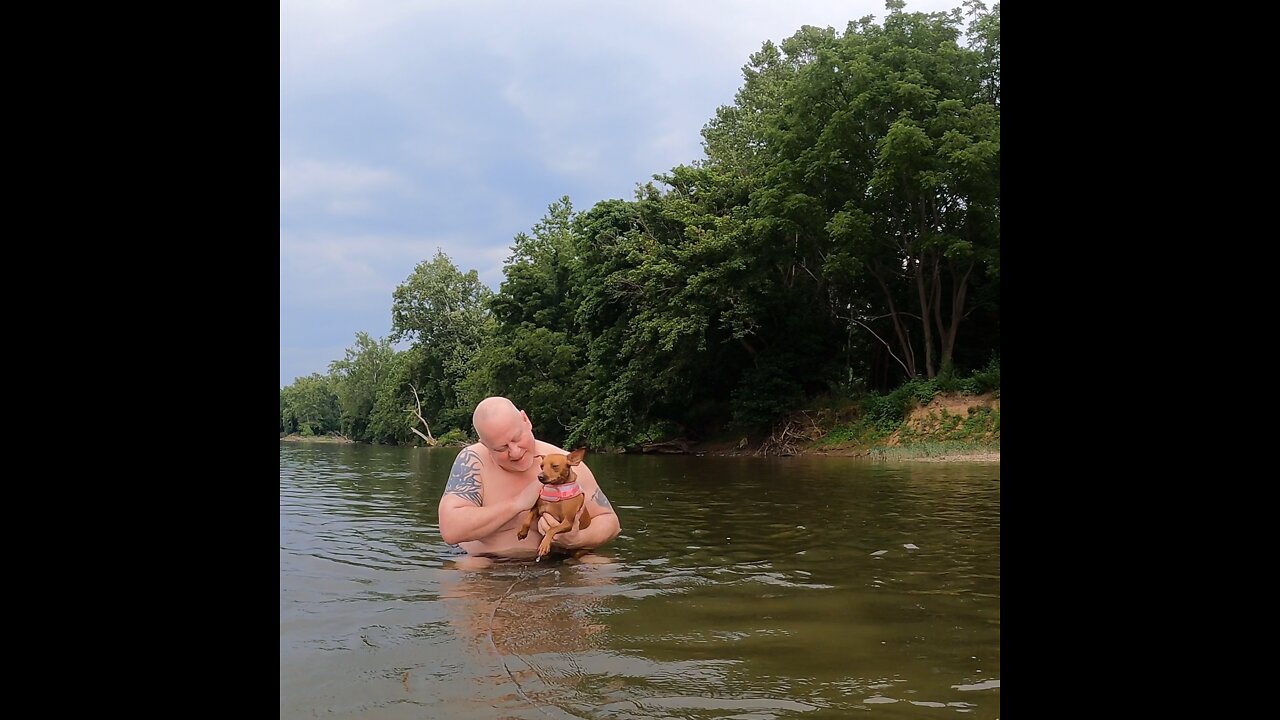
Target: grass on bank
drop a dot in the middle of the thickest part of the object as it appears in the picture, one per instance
(879, 423)
(929, 450)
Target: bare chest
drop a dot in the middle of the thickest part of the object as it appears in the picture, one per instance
(499, 486)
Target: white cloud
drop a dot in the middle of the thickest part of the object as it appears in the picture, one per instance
(337, 188)
(333, 270)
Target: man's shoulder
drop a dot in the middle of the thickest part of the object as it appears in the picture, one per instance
(545, 447)
(471, 454)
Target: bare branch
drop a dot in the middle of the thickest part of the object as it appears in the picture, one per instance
(790, 436)
(896, 312)
(805, 267)
(430, 440)
(887, 347)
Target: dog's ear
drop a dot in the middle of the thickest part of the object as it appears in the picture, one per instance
(576, 456)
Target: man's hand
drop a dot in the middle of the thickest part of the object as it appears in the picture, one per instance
(528, 497)
(562, 540)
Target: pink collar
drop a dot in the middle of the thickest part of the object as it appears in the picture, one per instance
(556, 493)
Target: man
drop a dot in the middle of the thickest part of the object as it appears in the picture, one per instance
(494, 483)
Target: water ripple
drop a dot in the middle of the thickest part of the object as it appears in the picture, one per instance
(739, 588)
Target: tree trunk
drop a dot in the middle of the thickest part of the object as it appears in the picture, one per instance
(922, 292)
(958, 293)
(904, 342)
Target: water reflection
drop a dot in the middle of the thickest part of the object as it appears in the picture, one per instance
(539, 619)
(739, 587)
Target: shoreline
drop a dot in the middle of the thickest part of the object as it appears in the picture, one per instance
(974, 457)
(900, 454)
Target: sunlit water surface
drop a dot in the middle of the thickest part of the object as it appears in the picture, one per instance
(744, 588)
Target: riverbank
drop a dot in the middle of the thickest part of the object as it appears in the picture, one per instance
(952, 427)
(326, 439)
(927, 452)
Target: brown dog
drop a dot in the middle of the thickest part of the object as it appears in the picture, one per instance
(561, 496)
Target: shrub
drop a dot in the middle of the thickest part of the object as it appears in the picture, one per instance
(988, 378)
(883, 412)
(917, 389)
(453, 437)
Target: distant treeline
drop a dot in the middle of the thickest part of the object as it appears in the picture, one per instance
(841, 238)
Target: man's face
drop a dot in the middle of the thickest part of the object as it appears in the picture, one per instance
(511, 442)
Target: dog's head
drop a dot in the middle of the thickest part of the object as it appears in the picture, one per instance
(557, 469)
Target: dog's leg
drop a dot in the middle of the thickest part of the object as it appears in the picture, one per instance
(545, 547)
(528, 520)
(585, 521)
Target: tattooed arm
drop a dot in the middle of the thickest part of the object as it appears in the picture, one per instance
(463, 514)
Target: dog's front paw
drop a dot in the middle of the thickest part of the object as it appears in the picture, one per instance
(522, 534)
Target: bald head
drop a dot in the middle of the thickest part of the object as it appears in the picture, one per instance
(506, 431)
(491, 412)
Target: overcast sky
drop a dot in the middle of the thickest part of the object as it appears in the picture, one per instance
(408, 126)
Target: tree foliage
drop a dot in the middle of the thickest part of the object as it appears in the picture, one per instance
(877, 160)
(531, 354)
(356, 379)
(309, 407)
(442, 312)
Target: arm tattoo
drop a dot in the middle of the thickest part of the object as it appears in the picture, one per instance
(601, 499)
(464, 478)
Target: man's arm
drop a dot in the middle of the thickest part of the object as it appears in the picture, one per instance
(604, 526)
(463, 516)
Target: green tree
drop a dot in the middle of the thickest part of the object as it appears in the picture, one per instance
(874, 166)
(356, 380)
(654, 289)
(309, 406)
(391, 415)
(441, 311)
(533, 355)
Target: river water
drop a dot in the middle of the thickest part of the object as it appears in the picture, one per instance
(740, 587)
